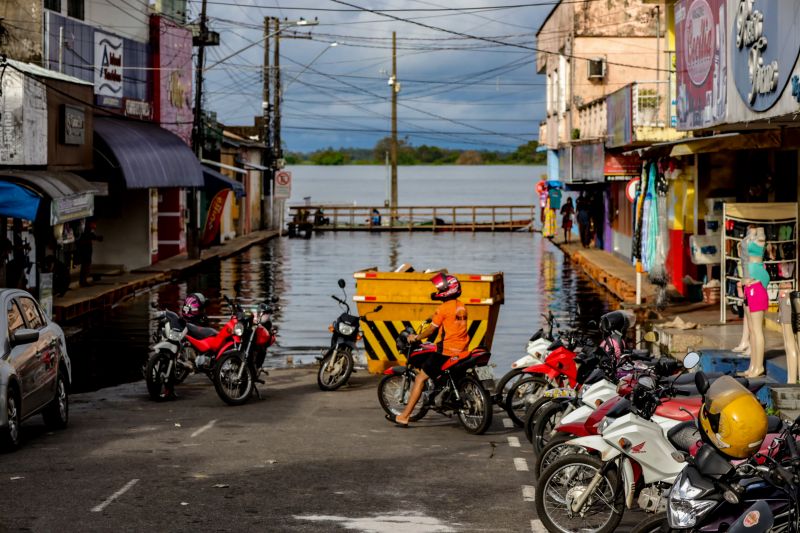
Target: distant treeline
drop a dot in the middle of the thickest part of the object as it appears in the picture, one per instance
(407, 154)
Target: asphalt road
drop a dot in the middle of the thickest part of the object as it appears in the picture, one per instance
(297, 460)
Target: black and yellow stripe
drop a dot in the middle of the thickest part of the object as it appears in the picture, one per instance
(379, 337)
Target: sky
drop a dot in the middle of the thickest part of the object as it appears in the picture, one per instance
(456, 92)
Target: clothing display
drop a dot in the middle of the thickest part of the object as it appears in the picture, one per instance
(756, 297)
(555, 198)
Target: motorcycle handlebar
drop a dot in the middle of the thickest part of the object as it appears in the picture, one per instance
(337, 299)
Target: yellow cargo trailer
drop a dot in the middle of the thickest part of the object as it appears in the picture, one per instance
(406, 301)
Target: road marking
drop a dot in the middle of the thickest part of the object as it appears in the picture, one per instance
(508, 423)
(120, 492)
(513, 442)
(204, 428)
(520, 464)
(537, 526)
(528, 493)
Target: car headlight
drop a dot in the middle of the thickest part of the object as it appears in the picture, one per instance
(238, 329)
(683, 509)
(346, 329)
(176, 334)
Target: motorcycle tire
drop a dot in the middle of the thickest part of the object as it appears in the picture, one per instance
(525, 391)
(342, 359)
(393, 392)
(530, 416)
(505, 383)
(231, 388)
(578, 470)
(476, 412)
(655, 524)
(160, 385)
(555, 449)
(544, 425)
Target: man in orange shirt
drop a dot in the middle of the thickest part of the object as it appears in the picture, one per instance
(451, 319)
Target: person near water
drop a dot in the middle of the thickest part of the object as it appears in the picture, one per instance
(83, 252)
(567, 210)
(583, 216)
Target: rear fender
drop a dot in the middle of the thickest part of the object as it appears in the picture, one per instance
(165, 345)
(395, 370)
(598, 444)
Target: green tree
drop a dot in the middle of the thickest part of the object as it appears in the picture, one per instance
(329, 156)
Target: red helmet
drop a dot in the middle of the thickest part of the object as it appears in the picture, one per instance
(193, 306)
(447, 287)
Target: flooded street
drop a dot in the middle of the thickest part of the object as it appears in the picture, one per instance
(303, 274)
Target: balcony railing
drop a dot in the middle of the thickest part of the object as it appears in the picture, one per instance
(651, 104)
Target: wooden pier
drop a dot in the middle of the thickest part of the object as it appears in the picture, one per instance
(413, 218)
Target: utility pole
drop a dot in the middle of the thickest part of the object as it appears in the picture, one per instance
(276, 108)
(393, 151)
(192, 234)
(266, 155)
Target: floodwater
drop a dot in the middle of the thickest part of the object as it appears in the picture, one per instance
(303, 274)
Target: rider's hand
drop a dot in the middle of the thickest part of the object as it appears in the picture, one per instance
(412, 337)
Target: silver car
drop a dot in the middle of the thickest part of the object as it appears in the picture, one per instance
(35, 370)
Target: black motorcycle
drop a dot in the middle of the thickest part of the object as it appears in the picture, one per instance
(336, 365)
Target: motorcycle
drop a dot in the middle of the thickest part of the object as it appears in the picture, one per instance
(461, 389)
(240, 367)
(337, 363)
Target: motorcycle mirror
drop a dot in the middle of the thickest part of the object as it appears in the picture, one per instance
(701, 382)
(274, 299)
(691, 360)
(377, 309)
(341, 283)
(651, 336)
(592, 324)
(237, 288)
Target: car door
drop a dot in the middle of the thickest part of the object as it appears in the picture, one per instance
(46, 346)
(23, 358)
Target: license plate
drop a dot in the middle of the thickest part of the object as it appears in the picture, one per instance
(484, 373)
(559, 393)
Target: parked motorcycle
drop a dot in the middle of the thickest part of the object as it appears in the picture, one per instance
(337, 363)
(461, 389)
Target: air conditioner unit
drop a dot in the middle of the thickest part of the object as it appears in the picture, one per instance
(597, 68)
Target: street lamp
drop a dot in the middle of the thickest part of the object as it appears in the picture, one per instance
(331, 45)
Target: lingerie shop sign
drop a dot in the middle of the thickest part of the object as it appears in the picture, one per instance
(765, 47)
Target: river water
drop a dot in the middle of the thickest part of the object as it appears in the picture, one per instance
(303, 274)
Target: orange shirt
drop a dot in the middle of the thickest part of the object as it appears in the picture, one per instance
(451, 319)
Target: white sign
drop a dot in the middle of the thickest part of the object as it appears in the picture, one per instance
(283, 184)
(107, 65)
(23, 120)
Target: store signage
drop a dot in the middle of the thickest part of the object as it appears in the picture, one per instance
(73, 207)
(173, 79)
(138, 109)
(214, 217)
(283, 184)
(74, 124)
(108, 69)
(622, 165)
(699, 37)
(765, 47)
(632, 189)
(23, 120)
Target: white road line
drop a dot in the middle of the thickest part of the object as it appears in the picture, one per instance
(528, 493)
(520, 464)
(513, 442)
(508, 423)
(537, 526)
(204, 428)
(120, 492)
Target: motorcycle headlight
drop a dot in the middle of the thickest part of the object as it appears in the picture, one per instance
(603, 425)
(683, 509)
(238, 329)
(346, 329)
(176, 334)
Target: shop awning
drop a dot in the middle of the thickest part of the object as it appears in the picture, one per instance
(713, 143)
(71, 197)
(254, 166)
(223, 165)
(215, 181)
(17, 201)
(148, 155)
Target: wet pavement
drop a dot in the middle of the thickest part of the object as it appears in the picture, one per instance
(111, 348)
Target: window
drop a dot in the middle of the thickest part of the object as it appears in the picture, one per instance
(31, 313)
(53, 5)
(15, 321)
(75, 9)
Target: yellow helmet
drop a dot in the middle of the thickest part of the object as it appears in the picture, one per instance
(732, 419)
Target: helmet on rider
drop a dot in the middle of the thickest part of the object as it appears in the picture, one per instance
(447, 287)
(732, 420)
(193, 306)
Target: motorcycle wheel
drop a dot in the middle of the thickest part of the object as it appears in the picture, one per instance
(231, 388)
(159, 384)
(655, 524)
(530, 416)
(505, 384)
(393, 393)
(567, 479)
(524, 392)
(181, 375)
(334, 370)
(556, 449)
(544, 425)
(475, 413)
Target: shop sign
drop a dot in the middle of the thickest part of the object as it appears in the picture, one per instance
(23, 120)
(108, 69)
(619, 113)
(74, 124)
(588, 162)
(622, 165)
(73, 207)
(214, 217)
(283, 184)
(138, 109)
(764, 48)
(701, 63)
(173, 79)
(632, 189)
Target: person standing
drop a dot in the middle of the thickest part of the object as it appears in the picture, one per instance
(83, 252)
(597, 209)
(567, 210)
(584, 219)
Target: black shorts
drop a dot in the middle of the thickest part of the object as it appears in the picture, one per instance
(433, 365)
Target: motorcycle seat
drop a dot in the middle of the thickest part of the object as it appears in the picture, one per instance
(684, 435)
(774, 424)
(198, 332)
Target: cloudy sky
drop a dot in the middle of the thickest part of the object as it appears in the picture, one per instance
(456, 91)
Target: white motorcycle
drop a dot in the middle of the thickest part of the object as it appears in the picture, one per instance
(637, 452)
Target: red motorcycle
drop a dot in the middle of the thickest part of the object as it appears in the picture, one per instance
(461, 389)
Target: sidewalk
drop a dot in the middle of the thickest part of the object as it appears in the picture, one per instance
(111, 289)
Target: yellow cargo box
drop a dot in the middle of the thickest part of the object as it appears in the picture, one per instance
(406, 301)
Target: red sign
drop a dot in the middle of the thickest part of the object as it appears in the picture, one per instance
(214, 217)
(283, 184)
(631, 189)
(622, 165)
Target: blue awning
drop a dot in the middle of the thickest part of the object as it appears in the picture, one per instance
(148, 155)
(17, 201)
(70, 196)
(214, 181)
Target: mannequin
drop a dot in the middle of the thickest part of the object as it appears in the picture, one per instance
(790, 322)
(755, 281)
(744, 345)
